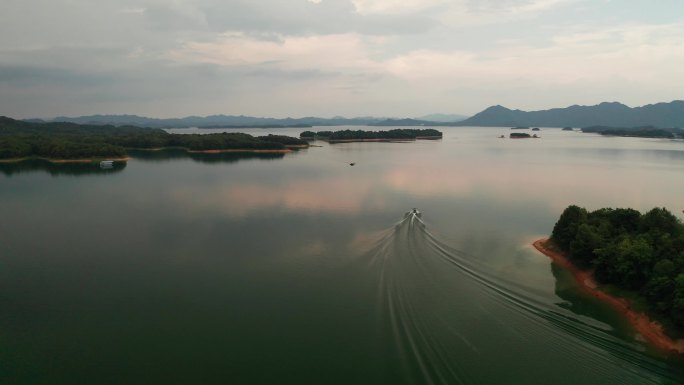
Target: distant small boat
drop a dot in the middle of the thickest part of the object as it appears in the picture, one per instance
(352, 163)
(107, 164)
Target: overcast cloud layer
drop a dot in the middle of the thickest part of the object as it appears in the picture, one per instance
(298, 58)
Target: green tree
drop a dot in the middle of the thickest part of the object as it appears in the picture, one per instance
(565, 230)
(587, 239)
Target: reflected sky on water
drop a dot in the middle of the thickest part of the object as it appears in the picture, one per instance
(264, 269)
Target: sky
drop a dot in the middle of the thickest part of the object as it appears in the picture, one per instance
(280, 58)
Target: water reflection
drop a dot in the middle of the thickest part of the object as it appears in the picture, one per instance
(321, 195)
(262, 269)
(594, 321)
(56, 169)
(224, 157)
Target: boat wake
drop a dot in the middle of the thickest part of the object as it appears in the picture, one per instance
(437, 305)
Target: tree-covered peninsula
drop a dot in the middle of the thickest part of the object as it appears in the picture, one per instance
(641, 254)
(637, 132)
(361, 135)
(19, 139)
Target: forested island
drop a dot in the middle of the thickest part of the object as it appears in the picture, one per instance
(638, 132)
(237, 126)
(522, 135)
(70, 141)
(361, 135)
(630, 254)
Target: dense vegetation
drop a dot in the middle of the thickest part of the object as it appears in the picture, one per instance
(74, 141)
(519, 135)
(634, 251)
(283, 139)
(389, 134)
(362, 135)
(255, 126)
(640, 132)
(197, 142)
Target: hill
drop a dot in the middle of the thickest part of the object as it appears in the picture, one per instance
(71, 141)
(604, 114)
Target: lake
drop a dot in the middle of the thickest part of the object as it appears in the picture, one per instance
(302, 269)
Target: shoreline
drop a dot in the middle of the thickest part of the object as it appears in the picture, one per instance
(278, 151)
(650, 330)
(288, 149)
(383, 139)
(58, 161)
(371, 140)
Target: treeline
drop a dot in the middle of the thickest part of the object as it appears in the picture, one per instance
(639, 132)
(74, 141)
(256, 126)
(57, 148)
(197, 142)
(361, 134)
(520, 135)
(283, 139)
(634, 251)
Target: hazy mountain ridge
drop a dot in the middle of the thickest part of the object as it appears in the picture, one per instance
(242, 121)
(614, 114)
(605, 114)
(442, 118)
(208, 121)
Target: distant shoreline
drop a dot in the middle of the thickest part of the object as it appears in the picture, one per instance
(383, 139)
(278, 151)
(58, 161)
(288, 149)
(243, 150)
(650, 330)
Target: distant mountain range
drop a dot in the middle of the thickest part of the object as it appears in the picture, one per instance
(211, 121)
(663, 115)
(231, 121)
(442, 118)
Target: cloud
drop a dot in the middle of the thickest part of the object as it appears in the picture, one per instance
(301, 17)
(369, 7)
(327, 53)
(175, 16)
(628, 52)
(134, 10)
(333, 57)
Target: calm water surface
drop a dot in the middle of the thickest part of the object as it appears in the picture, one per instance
(300, 269)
